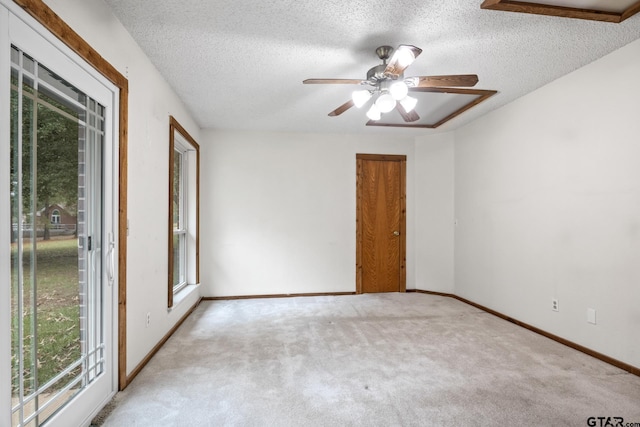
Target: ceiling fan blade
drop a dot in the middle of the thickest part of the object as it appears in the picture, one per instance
(402, 57)
(460, 80)
(408, 117)
(341, 109)
(332, 82)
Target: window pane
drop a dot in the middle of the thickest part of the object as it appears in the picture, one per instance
(56, 251)
(177, 191)
(179, 258)
(61, 85)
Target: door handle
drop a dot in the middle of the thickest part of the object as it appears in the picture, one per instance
(111, 267)
(396, 233)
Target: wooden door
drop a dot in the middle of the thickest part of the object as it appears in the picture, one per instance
(380, 235)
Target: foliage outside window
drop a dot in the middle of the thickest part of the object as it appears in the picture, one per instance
(184, 160)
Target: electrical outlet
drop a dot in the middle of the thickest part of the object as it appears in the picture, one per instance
(591, 316)
(554, 304)
(148, 319)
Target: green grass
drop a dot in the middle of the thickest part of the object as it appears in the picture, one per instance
(57, 313)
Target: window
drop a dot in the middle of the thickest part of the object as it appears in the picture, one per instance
(55, 217)
(184, 163)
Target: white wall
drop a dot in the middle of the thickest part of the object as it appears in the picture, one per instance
(151, 101)
(434, 212)
(547, 197)
(278, 211)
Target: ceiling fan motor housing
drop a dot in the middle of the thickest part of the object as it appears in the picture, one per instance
(376, 74)
(384, 52)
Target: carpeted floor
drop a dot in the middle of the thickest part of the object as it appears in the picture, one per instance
(367, 360)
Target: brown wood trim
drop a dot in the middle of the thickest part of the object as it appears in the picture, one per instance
(175, 126)
(403, 214)
(122, 238)
(312, 294)
(359, 184)
(488, 94)
(603, 357)
(383, 157)
(52, 22)
(398, 125)
(403, 225)
(456, 90)
(170, 216)
(561, 11)
(632, 10)
(482, 95)
(160, 343)
(197, 214)
(440, 294)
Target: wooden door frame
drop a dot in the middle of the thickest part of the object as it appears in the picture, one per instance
(402, 159)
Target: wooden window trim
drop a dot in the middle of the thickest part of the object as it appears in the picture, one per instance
(60, 29)
(175, 126)
(561, 11)
(483, 96)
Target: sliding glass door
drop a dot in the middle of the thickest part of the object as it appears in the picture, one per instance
(61, 232)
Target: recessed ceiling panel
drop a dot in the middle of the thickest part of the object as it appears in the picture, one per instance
(614, 11)
(435, 107)
(618, 6)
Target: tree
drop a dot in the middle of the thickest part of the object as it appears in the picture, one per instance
(55, 142)
(57, 153)
(13, 169)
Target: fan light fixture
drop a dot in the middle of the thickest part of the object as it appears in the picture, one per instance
(389, 88)
(398, 90)
(360, 97)
(385, 103)
(408, 103)
(374, 113)
(405, 56)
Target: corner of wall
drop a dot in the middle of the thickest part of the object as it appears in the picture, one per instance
(434, 206)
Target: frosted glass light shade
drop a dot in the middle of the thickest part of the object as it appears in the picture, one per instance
(405, 56)
(360, 97)
(398, 90)
(385, 103)
(373, 113)
(408, 103)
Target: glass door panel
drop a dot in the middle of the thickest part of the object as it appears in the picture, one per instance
(57, 138)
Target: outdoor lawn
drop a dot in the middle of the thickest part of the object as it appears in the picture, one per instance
(57, 313)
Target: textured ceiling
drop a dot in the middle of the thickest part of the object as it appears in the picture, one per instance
(240, 64)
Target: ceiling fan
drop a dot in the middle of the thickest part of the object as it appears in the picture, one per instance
(389, 88)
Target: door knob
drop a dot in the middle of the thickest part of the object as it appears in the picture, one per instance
(396, 233)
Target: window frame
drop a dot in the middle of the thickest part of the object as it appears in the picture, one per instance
(55, 217)
(181, 230)
(180, 141)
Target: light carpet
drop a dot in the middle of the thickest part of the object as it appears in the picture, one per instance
(367, 360)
